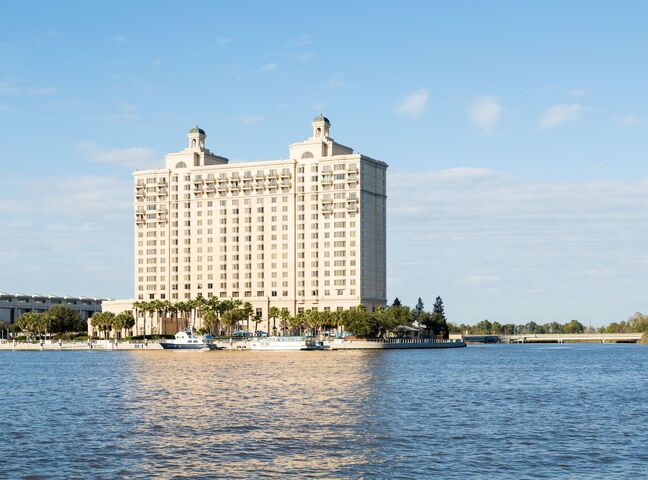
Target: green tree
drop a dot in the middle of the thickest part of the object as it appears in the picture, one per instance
(573, 326)
(103, 322)
(63, 319)
(284, 320)
(417, 312)
(638, 322)
(361, 323)
(273, 313)
(126, 320)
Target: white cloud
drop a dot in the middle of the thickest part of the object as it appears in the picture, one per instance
(580, 92)
(559, 114)
(461, 232)
(414, 104)
(119, 39)
(304, 56)
(250, 118)
(134, 157)
(304, 40)
(485, 112)
(628, 120)
(7, 88)
(481, 279)
(61, 230)
(336, 81)
(268, 67)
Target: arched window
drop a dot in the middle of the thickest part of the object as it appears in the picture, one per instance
(193, 143)
(181, 165)
(319, 131)
(307, 155)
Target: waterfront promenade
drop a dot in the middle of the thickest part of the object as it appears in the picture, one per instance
(237, 344)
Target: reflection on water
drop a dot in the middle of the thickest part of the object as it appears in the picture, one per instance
(519, 411)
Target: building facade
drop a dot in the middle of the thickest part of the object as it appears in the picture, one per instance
(303, 233)
(12, 306)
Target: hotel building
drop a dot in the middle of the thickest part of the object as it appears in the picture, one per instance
(303, 233)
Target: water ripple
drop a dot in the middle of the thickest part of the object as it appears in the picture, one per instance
(519, 411)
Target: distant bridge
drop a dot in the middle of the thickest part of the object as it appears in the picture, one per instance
(558, 338)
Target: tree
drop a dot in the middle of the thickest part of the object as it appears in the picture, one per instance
(103, 321)
(396, 303)
(129, 320)
(34, 324)
(361, 323)
(573, 327)
(63, 319)
(638, 322)
(285, 320)
(273, 313)
(247, 313)
(210, 319)
(124, 321)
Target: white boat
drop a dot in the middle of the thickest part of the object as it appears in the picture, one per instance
(285, 344)
(187, 340)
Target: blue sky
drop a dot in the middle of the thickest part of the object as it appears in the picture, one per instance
(515, 134)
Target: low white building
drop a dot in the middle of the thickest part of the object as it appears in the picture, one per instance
(12, 306)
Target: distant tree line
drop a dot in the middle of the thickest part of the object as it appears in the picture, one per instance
(637, 323)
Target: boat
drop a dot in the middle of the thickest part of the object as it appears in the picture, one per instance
(285, 344)
(188, 340)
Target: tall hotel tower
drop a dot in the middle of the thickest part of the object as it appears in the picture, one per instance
(304, 233)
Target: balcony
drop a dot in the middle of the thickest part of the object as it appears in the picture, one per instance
(352, 206)
(209, 187)
(259, 176)
(353, 178)
(247, 185)
(352, 169)
(222, 186)
(197, 187)
(285, 173)
(162, 181)
(327, 179)
(139, 192)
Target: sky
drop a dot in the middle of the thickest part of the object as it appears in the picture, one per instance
(516, 135)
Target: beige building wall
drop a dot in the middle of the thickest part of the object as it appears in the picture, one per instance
(303, 233)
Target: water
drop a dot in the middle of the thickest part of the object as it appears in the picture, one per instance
(500, 411)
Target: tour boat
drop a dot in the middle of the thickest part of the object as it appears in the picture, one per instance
(285, 344)
(187, 340)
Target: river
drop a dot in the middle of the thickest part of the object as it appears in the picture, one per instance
(492, 411)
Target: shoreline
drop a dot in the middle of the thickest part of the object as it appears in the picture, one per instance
(238, 345)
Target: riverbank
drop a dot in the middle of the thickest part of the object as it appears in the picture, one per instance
(240, 345)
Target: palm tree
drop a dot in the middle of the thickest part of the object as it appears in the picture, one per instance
(199, 305)
(223, 307)
(157, 307)
(213, 303)
(285, 320)
(273, 313)
(144, 308)
(172, 308)
(247, 313)
(137, 306)
(184, 308)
